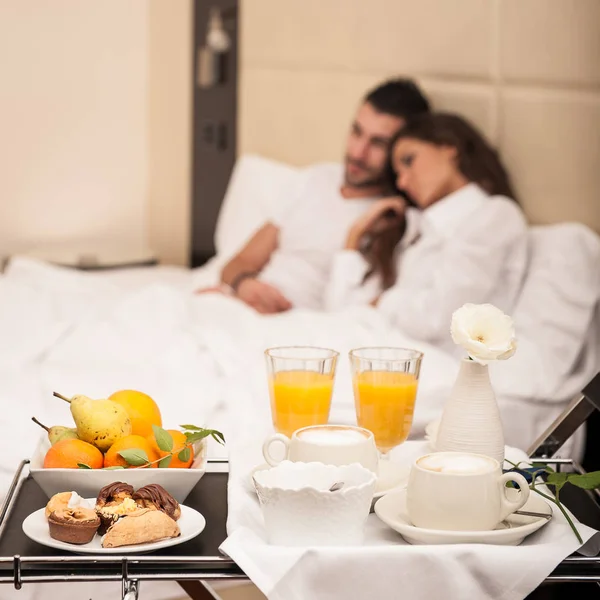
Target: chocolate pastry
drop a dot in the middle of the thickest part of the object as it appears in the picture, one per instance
(142, 527)
(114, 501)
(114, 493)
(73, 525)
(155, 496)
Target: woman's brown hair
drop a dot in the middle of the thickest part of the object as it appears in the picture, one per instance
(476, 160)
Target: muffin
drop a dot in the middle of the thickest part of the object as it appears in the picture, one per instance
(57, 502)
(155, 497)
(73, 525)
(65, 500)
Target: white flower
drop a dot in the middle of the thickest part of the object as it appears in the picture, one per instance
(484, 331)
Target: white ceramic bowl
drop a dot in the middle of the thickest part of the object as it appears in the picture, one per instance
(88, 482)
(299, 509)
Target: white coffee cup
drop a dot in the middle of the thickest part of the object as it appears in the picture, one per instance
(461, 491)
(330, 444)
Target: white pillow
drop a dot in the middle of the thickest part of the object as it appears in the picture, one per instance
(556, 317)
(258, 191)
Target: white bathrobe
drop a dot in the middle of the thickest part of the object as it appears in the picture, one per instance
(467, 247)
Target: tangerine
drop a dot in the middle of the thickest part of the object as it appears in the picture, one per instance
(66, 454)
(143, 412)
(112, 458)
(179, 442)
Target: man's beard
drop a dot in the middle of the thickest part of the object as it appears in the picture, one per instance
(367, 179)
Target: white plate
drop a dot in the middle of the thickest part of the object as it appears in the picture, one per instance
(391, 509)
(392, 476)
(35, 527)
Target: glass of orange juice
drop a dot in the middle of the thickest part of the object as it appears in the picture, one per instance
(385, 388)
(300, 386)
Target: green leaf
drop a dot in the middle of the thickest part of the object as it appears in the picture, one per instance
(191, 427)
(542, 467)
(557, 480)
(164, 463)
(134, 456)
(588, 481)
(83, 466)
(195, 436)
(218, 437)
(164, 440)
(185, 454)
(115, 468)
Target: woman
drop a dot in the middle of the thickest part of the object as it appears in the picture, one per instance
(464, 240)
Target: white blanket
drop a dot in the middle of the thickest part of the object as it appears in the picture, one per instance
(77, 332)
(199, 356)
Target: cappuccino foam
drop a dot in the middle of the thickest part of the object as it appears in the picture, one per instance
(332, 436)
(456, 464)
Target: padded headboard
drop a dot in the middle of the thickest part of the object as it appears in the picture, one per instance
(526, 73)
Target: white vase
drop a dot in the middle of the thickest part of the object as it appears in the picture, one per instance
(471, 419)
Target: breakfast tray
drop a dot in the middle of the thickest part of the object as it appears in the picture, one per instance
(24, 561)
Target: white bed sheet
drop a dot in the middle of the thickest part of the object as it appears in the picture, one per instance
(199, 356)
(95, 333)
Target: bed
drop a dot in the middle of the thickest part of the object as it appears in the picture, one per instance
(94, 333)
(200, 355)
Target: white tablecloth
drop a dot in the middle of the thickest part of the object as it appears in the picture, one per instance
(386, 567)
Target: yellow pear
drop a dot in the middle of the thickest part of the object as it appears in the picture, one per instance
(57, 433)
(98, 422)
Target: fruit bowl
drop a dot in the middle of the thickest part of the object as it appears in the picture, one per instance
(88, 482)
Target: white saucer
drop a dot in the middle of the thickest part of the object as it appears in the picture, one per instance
(35, 527)
(392, 476)
(391, 509)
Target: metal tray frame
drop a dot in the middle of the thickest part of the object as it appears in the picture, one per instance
(134, 569)
(129, 569)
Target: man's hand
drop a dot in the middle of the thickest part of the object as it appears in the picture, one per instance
(382, 215)
(263, 297)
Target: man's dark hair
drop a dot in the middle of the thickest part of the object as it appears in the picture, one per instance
(399, 97)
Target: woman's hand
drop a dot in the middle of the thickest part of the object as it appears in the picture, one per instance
(383, 215)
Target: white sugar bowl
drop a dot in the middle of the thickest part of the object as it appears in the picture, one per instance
(300, 510)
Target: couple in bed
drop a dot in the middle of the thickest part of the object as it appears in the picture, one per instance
(420, 219)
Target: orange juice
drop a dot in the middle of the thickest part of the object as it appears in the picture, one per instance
(299, 399)
(385, 403)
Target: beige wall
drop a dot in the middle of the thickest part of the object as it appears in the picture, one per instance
(170, 128)
(95, 125)
(95, 116)
(527, 72)
(73, 122)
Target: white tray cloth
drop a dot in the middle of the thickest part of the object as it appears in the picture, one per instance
(386, 566)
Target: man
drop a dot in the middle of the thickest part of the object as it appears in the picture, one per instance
(286, 263)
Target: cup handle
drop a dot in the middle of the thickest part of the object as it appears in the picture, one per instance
(277, 437)
(507, 507)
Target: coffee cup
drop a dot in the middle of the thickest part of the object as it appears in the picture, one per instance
(330, 444)
(461, 491)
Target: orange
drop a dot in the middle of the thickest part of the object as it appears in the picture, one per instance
(113, 459)
(179, 441)
(67, 453)
(143, 412)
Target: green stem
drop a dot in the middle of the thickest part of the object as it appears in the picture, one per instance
(57, 395)
(562, 510)
(172, 453)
